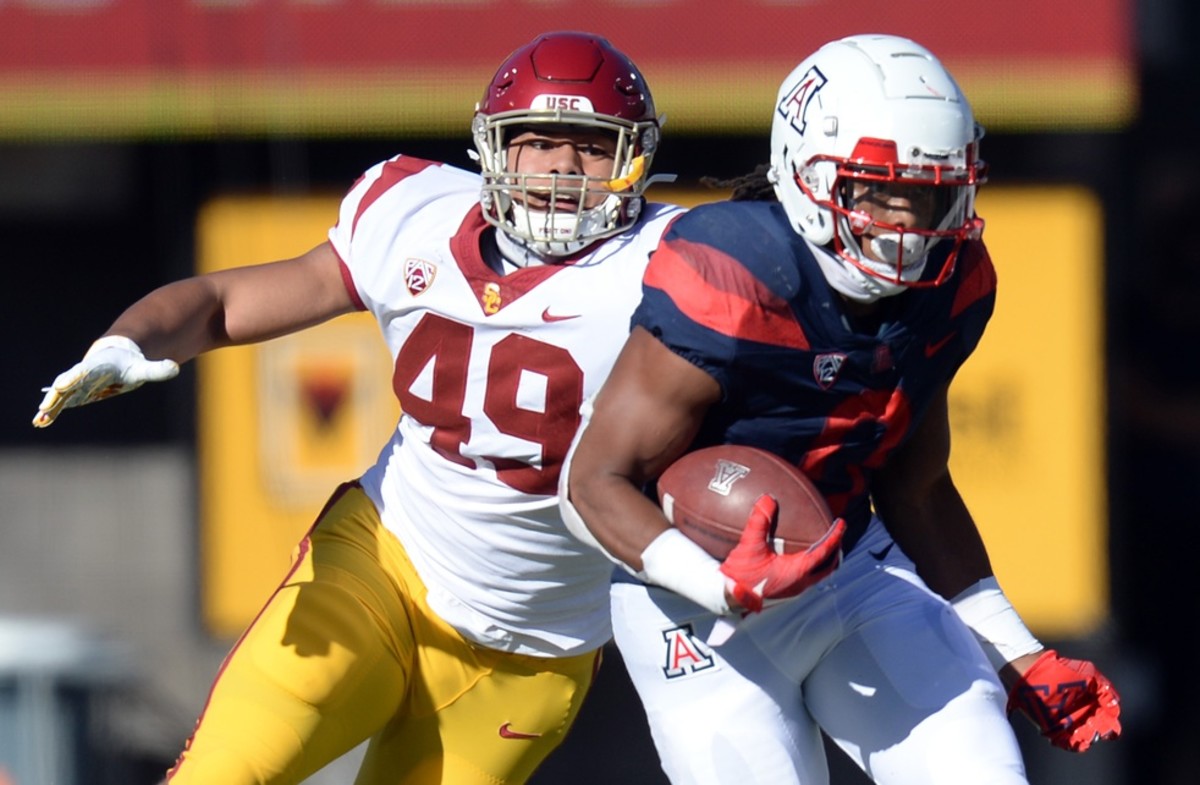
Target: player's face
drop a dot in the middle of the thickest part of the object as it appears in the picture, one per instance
(562, 152)
(894, 204)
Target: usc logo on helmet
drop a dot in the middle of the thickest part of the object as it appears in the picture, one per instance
(568, 103)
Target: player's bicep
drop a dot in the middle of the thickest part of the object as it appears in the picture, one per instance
(268, 300)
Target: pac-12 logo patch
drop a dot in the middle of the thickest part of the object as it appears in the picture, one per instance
(418, 275)
(826, 368)
(794, 106)
(685, 653)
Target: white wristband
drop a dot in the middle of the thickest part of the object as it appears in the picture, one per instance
(676, 563)
(995, 622)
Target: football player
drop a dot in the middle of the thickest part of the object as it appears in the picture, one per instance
(825, 325)
(438, 607)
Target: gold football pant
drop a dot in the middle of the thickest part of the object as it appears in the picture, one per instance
(347, 650)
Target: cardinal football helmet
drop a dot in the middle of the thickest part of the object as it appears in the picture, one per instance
(876, 112)
(566, 80)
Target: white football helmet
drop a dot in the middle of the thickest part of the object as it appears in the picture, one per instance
(566, 80)
(863, 112)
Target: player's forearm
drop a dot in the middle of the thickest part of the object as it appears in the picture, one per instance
(938, 533)
(631, 530)
(622, 519)
(177, 321)
(237, 306)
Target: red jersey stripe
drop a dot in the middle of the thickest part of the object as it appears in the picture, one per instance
(394, 171)
(713, 290)
(348, 282)
(979, 277)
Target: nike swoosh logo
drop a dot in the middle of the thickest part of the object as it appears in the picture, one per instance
(551, 317)
(933, 347)
(506, 732)
(882, 553)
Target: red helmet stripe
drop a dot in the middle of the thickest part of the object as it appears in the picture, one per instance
(874, 152)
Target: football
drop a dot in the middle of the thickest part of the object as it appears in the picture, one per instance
(708, 495)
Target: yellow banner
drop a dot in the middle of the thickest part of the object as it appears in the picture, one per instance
(1029, 450)
(281, 423)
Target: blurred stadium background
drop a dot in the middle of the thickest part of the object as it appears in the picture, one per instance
(143, 140)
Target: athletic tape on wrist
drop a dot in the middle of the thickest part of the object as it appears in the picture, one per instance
(676, 563)
(995, 622)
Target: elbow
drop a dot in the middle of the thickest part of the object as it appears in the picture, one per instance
(578, 489)
(603, 504)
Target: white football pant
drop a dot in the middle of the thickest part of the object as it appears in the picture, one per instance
(869, 655)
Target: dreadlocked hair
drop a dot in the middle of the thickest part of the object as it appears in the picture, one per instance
(752, 187)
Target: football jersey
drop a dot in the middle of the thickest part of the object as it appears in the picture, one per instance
(737, 292)
(490, 371)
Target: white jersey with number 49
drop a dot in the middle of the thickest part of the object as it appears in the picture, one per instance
(490, 371)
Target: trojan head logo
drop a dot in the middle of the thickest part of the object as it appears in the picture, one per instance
(826, 368)
(418, 275)
(795, 103)
(491, 298)
(726, 474)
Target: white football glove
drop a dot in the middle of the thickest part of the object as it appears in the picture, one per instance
(113, 365)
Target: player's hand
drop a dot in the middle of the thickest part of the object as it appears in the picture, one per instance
(758, 574)
(113, 365)
(1073, 703)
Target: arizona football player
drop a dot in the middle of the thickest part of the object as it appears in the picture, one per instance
(825, 325)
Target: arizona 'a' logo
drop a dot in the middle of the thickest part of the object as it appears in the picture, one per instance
(685, 654)
(794, 106)
(826, 368)
(418, 275)
(726, 474)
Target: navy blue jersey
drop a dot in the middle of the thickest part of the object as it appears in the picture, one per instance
(735, 291)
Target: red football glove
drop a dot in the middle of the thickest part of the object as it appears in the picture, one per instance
(758, 573)
(1073, 703)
